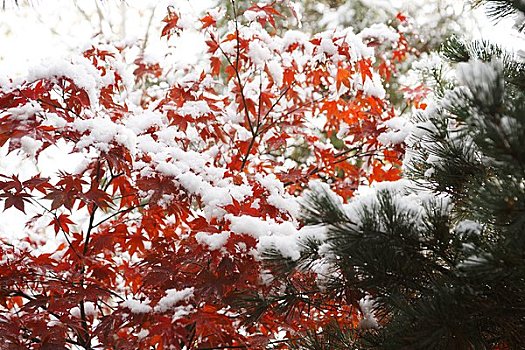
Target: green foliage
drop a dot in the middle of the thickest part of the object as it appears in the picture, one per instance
(475, 141)
(335, 337)
(457, 50)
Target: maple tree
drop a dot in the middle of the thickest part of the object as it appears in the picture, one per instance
(157, 233)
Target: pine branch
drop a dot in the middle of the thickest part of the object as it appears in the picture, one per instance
(499, 9)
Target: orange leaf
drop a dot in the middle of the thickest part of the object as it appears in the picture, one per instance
(207, 21)
(171, 21)
(215, 63)
(364, 68)
(379, 174)
(343, 77)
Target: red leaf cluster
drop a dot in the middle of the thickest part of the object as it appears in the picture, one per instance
(156, 235)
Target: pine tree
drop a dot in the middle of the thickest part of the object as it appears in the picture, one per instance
(439, 257)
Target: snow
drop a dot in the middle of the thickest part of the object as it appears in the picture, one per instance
(317, 186)
(251, 15)
(23, 111)
(503, 32)
(379, 31)
(269, 233)
(327, 46)
(136, 306)
(296, 37)
(399, 128)
(214, 197)
(278, 196)
(288, 247)
(101, 132)
(429, 172)
(143, 333)
(368, 321)
(193, 108)
(374, 87)
(79, 69)
(427, 62)
(259, 53)
(331, 18)
(30, 145)
(140, 122)
(482, 79)
(173, 297)
(358, 49)
(213, 241)
(243, 224)
(276, 71)
(246, 224)
(474, 260)
(89, 309)
(402, 192)
(181, 311)
(468, 227)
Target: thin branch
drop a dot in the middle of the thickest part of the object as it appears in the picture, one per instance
(92, 215)
(278, 99)
(123, 211)
(241, 87)
(259, 123)
(337, 161)
(146, 36)
(84, 339)
(248, 151)
(236, 67)
(260, 100)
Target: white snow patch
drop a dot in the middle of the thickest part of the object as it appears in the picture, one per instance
(173, 296)
(137, 306)
(213, 241)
